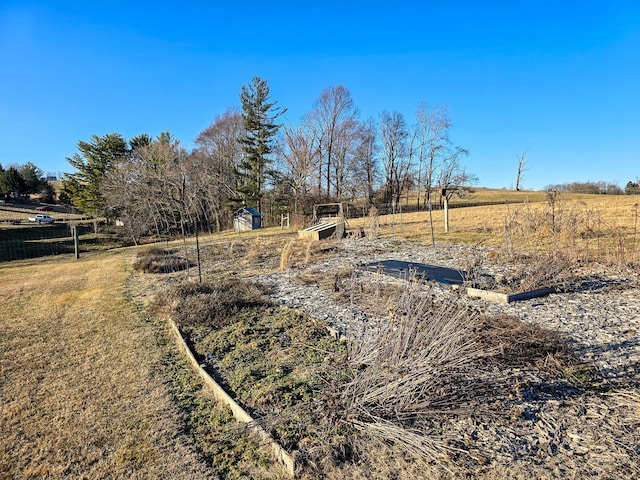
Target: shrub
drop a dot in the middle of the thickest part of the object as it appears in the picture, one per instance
(400, 387)
(407, 369)
(157, 260)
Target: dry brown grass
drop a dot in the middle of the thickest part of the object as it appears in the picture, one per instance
(81, 392)
(20, 213)
(584, 227)
(285, 256)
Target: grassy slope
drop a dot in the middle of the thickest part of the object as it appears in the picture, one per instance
(81, 386)
(613, 218)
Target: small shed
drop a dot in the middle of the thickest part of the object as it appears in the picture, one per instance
(246, 218)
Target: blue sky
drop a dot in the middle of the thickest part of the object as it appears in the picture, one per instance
(560, 80)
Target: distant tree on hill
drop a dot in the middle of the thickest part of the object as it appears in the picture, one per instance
(24, 180)
(522, 167)
(33, 177)
(632, 188)
(11, 183)
(597, 188)
(47, 194)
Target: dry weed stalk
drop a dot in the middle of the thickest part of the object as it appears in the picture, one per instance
(372, 224)
(307, 253)
(472, 272)
(417, 365)
(286, 255)
(547, 271)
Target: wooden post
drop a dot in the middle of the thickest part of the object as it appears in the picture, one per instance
(198, 252)
(284, 220)
(446, 215)
(76, 243)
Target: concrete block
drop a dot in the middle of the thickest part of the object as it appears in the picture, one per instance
(508, 297)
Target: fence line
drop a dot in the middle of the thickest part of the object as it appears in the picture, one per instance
(22, 242)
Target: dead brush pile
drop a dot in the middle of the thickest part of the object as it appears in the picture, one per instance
(521, 273)
(393, 383)
(427, 386)
(523, 345)
(394, 386)
(158, 260)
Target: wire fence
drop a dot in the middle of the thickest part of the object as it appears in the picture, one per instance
(353, 211)
(21, 242)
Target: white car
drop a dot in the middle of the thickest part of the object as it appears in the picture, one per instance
(42, 218)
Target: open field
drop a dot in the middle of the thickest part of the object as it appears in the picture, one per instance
(586, 227)
(20, 212)
(482, 195)
(82, 392)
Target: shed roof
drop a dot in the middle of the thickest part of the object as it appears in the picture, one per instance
(250, 210)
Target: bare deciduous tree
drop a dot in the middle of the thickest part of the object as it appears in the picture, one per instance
(394, 153)
(453, 178)
(155, 188)
(334, 112)
(522, 167)
(219, 155)
(298, 152)
(365, 171)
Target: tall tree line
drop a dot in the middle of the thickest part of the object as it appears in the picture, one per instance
(246, 158)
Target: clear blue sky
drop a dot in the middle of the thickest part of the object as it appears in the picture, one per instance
(560, 79)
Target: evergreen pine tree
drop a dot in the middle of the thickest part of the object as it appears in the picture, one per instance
(92, 162)
(259, 115)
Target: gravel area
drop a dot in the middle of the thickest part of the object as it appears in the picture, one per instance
(534, 425)
(599, 315)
